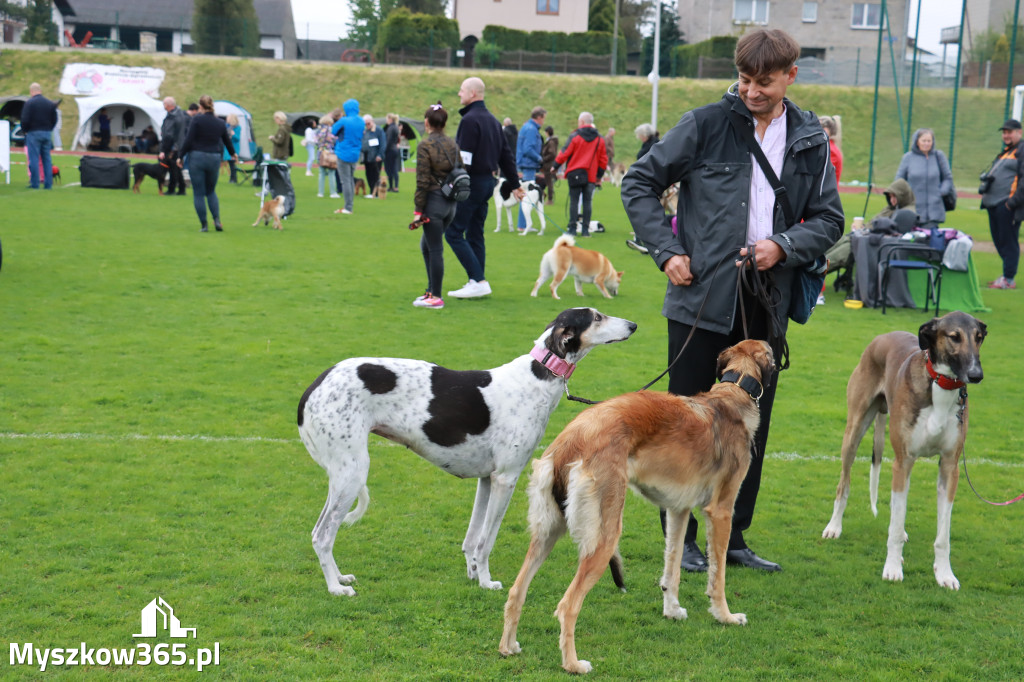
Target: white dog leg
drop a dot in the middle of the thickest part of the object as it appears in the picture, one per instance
(339, 500)
(835, 526)
(540, 213)
(897, 535)
(476, 524)
(502, 487)
(943, 571)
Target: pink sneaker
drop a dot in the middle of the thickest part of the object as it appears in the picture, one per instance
(1002, 283)
(429, 301)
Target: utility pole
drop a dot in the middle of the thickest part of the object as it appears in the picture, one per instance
(653, 77)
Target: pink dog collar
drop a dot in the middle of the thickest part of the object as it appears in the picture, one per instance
(554, 364)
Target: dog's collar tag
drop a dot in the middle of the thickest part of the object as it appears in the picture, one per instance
(554, 364)
(747, 383)
(944, 382)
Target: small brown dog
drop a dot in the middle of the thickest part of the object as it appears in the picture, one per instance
(360, 186)
(565, 258)
(271, 209)
(382, 190)
(680, 453)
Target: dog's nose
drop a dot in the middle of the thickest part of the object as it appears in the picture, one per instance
(974, 376)
(632, 327)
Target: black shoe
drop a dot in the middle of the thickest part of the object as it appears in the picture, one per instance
(203, 229)
(746, 557)
(181, 194)
(694, 560)
(218, 227)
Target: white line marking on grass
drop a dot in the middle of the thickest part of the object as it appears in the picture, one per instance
(383, 442)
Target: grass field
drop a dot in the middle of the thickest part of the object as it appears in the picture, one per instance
(148, 448)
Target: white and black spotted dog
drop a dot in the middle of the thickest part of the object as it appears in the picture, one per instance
(473, 424)
(533, 201)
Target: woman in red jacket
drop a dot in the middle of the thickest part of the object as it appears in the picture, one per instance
(586, 160)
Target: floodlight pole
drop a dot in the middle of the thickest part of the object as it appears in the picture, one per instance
(654, 76)
(615, 40)
(1013, 49)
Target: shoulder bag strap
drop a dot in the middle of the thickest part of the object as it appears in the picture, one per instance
(746, 132)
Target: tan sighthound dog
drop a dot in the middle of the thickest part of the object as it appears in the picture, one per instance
(565, 258)
(921, 383)
(677, 452)
(272, 209)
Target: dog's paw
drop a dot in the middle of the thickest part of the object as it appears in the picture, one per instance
(893, 572)
(511, 650)
(832, 530)
(738, 619)
(674, 612)
(346, 579)
(579, 667)
(945, 578)
(341, 591)
(490, 584)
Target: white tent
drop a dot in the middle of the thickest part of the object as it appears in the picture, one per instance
(222, 108)
(145, 110)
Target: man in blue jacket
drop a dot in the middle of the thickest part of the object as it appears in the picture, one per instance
(726, 210)
(38, 119)
(349, 133)
(484, 150)
(528, 148)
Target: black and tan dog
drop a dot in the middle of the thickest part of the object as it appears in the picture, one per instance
(157, 171)
(921, 383)
(677, 452)
(359, 186)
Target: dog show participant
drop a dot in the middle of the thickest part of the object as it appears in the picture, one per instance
(484, 150)
(436, 156)
(585, 153)
(727, 213)
(38, 119)
(207, 138)
(528, 152)
(172, 135)
(348, 133)
(548, 167)
(1003, 198)
(373, 154)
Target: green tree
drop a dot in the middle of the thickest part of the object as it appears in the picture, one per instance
(40, 28)
(228, 27)
(13, 10)
(367, 16)
(602, 16)
(435, 8)
(669, 39)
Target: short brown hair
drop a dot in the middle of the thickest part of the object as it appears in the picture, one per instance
(436, 116)
(538, 112)
(766, 51)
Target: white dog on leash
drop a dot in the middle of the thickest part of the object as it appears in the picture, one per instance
(533, 201)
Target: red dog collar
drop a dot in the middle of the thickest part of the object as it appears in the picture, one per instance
(556, 365)
(944, 382)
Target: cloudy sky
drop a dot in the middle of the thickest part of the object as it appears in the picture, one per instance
(328, 20)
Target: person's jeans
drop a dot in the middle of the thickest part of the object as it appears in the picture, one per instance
(332, 181)
(466, 233)
(1005, 237)
(204, 169)
(372, 176)
(392, 164)
(310, 156)
(348, 187)
(528, 174)
(38, 144)
(587, 191)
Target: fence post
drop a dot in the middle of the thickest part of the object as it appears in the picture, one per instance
(988, 73)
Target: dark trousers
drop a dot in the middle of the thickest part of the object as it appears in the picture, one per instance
(587, 192)
(204, 169)
(466, 233)
(176, 179)
(695, 373)
(1005, 237)
(372, 176)
(392, 166)
(441, 212)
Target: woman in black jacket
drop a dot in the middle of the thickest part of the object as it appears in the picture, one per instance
(203, 144)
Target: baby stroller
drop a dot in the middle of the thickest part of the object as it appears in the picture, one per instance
(275, 180)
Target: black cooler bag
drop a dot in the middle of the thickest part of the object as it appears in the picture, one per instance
(105, 172)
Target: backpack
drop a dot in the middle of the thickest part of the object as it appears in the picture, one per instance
(456, 186)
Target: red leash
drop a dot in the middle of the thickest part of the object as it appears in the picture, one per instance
(994, 504)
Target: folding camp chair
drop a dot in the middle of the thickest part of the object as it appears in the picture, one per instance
(911, 256)
(251, 172)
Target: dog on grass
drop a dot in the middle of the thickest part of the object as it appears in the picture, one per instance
(679, 453)
(272, 209)
(533, 201)
(157, 171)
(921, 384)
(381, 191)
(616, 172)
(472, 424)
(360, 186)
(565, 258)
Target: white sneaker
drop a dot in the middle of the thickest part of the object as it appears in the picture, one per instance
(309, 174)
(472, 289)
(334, 196)
(821, 299)
(320, 195)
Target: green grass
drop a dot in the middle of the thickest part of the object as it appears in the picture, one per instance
(149, 383)
(264, 85)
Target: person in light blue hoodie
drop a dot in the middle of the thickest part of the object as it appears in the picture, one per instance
(349, 133)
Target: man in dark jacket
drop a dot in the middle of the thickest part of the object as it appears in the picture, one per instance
(1003, 198)
(484, 150)
(172, 136)
(38, 119)
(727, 209)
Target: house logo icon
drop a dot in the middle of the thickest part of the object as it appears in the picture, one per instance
(158, 611)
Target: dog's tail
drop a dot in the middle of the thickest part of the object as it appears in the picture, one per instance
(566, 239)
(362, 503)
(546, 513)
(617, 569)
(876, 459)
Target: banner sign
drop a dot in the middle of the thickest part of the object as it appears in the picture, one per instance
(104, 79)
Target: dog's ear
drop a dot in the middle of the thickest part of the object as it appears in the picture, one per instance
(928, 334)
(723, 361)
(983, 328)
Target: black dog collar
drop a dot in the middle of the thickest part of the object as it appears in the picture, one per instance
(748, 383)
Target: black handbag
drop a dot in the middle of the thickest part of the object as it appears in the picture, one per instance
(577, 177)
(949, 201)
(808, 280)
